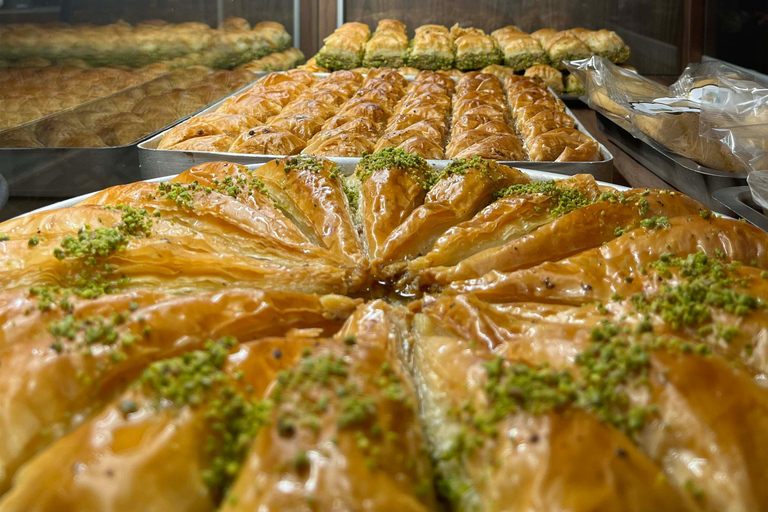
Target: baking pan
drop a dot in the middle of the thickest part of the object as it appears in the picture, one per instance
(163, 162)
(739, 201)
(682, 173)
(67, 172)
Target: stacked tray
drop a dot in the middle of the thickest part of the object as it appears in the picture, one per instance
(682, 173)
(159, 162)
(37, 171)
(739, 200)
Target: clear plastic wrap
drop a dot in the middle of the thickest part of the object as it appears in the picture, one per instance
(715, 114)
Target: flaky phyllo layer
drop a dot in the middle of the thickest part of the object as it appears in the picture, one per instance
(290, 338)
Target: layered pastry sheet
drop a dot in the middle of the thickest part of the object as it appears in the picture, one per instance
(400, 339)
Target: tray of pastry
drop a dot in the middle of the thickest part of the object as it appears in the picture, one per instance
(682, 173)
(344, 115)
(229, 330)
(93, 145)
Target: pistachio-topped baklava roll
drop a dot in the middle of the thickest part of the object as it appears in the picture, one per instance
(520, 50)
(432, 48)
(565, 46)
(474, 48)
(606, 43)
(344, 49)
(388, 45)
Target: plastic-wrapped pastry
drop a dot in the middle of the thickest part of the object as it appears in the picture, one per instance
(548, 146)
(606, 43)
(551, 76)
(432, 48)
(474, 48)
(388, 46)
(565, 46)
(219, 143)
(521, 51)
(344, 49)
(267, 140)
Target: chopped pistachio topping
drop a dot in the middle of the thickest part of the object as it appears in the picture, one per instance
(320, 384)
(304, 162)
(464, 165)
(34, 241)
(655, 223)
(197, 379)
(707, 283)
(71, 334)
(4, 237)
(564, 199)
(92, 244)
(395, 158)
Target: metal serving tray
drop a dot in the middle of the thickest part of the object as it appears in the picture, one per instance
(739, 201)
(67, 172)
(163, 162)
(682, 173)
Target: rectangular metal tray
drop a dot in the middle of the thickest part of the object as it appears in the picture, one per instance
(155, 162)
(739, 201)
(68, 172)
(682, 173)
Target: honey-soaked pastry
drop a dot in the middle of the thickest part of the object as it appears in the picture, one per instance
(428, 129)
(388, 185)
(408, 71)
(324, 96)
(410, 103)
(362, 108)
(189, 130)
(548, 146)
(503, 235)
(570, 342)
(587, 152)
(341, 80)
(551, 76)
(386, 85)
(251, 105)
(522, 52)
(347, 124)
(432, 48)
(404, 122)
(564, 46)
(461, 190)
(619, 257)
(345, 48)
(267, 140)
(606, 43)
(495, 147)
(121, 133)
(542, 122)
(544, 35)
(314, 107)
(218, 143)
(340, 144)
(477, 81)
(528, 453)
(421, 146)
(372, 95)
(388, 45)
(462, 140)
(476, 118)
(328, 463)
(309, 189)
(78, 377)
(474, 48)
(304, 126)
(499, 71)
(388, 75)
(434, 77)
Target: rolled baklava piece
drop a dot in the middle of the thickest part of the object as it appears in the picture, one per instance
(344, 49)
(474, 48)
(551, 76)
(432, 48)
(606, 43)
(388, 46)
(564, 46)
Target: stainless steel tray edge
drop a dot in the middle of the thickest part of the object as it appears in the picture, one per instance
(739, 201)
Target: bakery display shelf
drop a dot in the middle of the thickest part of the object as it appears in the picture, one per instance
(682, 173)
(162, 162)
(739, 201)
(70, 171)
